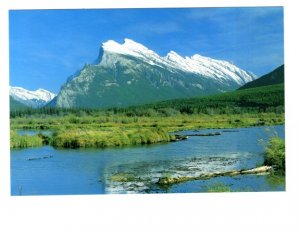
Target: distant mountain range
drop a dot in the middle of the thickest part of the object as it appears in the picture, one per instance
(131, 74)
(34, 99)
(274, 77)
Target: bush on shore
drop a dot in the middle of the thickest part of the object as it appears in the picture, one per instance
(25, 141)
(275, 154)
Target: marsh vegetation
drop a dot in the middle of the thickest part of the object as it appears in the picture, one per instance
(214, 124)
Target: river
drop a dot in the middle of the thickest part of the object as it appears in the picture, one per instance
(136, 169)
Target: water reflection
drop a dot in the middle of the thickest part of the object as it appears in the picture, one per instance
(137, 169)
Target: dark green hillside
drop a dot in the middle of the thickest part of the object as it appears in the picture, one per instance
(274, 77)
(260, 99)
(252, 100)
(15, 105)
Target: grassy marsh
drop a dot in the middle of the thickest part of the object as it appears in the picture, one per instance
(101, 130)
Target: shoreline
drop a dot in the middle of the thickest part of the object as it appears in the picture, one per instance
(74, 139)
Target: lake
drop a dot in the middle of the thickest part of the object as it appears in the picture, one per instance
(31, 132)
(136, 169)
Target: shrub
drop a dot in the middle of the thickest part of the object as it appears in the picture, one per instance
(25, 141)
(275, 153)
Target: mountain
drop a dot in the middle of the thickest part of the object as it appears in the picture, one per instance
(15, 105)
(131, 74)
(274, 77)
(34, 99)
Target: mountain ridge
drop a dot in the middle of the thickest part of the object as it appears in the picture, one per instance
(195, 64)
(131, 74)
(35, 99)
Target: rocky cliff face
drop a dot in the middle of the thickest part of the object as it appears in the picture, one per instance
(130, 74)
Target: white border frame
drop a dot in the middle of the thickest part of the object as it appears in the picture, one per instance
(213, 211)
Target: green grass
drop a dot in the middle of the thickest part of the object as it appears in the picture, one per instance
(219, 187)
(101, 121)
(275, 154)
(101, 130)
(25, 141)
(110, 138)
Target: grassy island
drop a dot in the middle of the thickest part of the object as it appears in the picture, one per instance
(71, 131)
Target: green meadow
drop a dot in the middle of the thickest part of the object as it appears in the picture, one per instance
(73, 131)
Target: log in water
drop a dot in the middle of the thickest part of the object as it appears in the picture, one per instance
(203, 134)
(175, 180)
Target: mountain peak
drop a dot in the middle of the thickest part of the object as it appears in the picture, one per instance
(198, 57)
(173, 56)
(129, 47)
(129, 43)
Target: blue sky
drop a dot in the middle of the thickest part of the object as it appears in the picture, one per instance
(47, 46)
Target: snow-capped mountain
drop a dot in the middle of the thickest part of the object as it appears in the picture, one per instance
(33, 99)
(130, 73)
(197, 64)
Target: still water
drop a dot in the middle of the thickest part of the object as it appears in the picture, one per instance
(49, 171)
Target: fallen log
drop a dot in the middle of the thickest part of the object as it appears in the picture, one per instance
(257, 170)
(163, 181)
(206, 134)
(180, 137)
(39, 158)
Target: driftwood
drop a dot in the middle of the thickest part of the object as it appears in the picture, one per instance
(174, 180)
(230, 131)
(179, 137)
(205, 134)
(39, 158)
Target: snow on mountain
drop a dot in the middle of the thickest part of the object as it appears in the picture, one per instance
(131, 74)
(129, 47)
(197, 64)
(33, 99)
